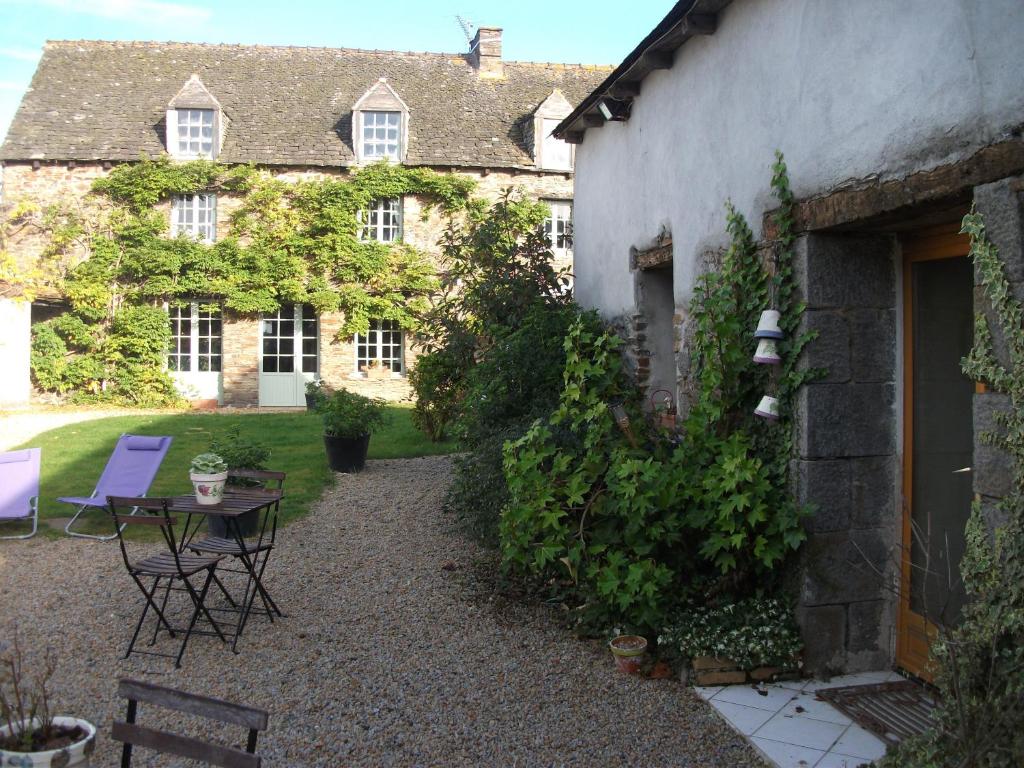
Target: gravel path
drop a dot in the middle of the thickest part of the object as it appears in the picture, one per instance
(393, 653)
(17, 427)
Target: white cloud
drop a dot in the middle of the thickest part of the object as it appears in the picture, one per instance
(21, 54)
(145, 11)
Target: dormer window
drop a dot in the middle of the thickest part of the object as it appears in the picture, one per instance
(556, 155)
(549, 153)
(195, 122)
(381, 135)
(380, 125)
(195, 133)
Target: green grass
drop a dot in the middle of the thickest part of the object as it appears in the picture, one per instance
(74, 455)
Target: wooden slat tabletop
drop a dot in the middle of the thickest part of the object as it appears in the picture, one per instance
(234, 503)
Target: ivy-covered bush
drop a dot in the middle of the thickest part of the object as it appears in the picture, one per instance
(752, 633)
(631, 531)
(286, 243)
(979, 721)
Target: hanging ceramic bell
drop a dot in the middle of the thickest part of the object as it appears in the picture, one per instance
(768, 408)
(768, 327)
(766, 353)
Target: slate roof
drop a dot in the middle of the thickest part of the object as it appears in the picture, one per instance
(94, 100)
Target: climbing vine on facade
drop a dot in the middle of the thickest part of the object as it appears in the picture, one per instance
(633, 531)
(286, 242)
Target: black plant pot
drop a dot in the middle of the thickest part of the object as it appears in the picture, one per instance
(249, 524)
(310, 402)
(346, 454)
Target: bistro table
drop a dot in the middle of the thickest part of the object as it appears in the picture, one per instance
(236, 503)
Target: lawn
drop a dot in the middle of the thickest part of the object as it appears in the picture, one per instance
(74, 455)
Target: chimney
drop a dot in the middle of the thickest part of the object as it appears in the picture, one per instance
(485, 52)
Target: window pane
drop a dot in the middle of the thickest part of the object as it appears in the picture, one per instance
(286, 365)
(309, 346)
(270, 346)
(287, 346)
(270, 365)
(215, 363)
(308, 364)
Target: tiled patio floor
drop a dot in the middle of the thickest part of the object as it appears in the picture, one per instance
(793, 729)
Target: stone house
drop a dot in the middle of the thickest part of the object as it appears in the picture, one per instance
(894, 118)
(297, 113)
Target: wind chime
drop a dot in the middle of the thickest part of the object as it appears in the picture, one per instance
(768, 334)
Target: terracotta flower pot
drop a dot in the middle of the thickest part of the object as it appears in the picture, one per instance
(72, 756)
(629, 652)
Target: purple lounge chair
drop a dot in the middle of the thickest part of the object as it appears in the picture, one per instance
(129, 472)
(19, 488)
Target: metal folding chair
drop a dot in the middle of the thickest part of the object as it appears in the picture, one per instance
(166, 567)
(129, 472)
(258, 551)
(19, 488)
(165, 742)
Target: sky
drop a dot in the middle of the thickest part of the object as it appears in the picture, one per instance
(571, 31)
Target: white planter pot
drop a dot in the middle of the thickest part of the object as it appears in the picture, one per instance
(209, 488)
(77, 754)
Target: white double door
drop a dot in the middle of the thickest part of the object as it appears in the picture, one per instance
(289, 341)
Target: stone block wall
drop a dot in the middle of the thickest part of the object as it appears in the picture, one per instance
(846, 452)
(1002, 205)
(240, 361)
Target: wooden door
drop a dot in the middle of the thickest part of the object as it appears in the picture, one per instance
(938, 437)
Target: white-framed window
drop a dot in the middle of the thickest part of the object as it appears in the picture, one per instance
(195, 338)
(558, 227)
(194, 137)
(382, 221)
(555, 154)
(381, 135)
(380, 346)
(195, 216)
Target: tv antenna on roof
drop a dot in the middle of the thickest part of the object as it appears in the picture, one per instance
(467, 28)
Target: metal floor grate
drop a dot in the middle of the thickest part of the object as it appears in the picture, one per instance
(892, 711)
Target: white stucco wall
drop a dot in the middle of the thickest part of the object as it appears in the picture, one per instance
(845, 89)
(15, 322)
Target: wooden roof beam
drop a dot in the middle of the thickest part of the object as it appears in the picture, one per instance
(625, 89)
(659, 59)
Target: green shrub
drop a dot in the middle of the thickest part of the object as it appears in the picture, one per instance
(347, 414)
(240, 452)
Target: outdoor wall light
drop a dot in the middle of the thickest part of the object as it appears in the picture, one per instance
(604, 110)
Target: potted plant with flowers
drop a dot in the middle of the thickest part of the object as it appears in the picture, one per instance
(30, 736)
(349, 419)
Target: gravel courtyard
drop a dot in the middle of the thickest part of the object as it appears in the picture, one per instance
(392, 653)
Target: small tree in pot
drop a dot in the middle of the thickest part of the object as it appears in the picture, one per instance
(349, 419)
(29, 734)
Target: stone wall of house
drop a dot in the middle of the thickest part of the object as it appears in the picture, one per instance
(240, 360)
(846, 450)
(423, 227)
